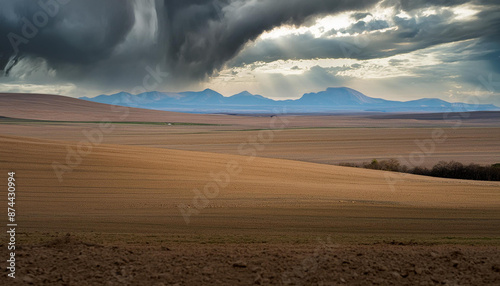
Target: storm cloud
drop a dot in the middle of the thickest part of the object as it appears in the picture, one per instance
(113, 44)
(204, 35)
(407, 35)
(193, 38)
(77, 32)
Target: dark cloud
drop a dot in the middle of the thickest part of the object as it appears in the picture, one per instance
(194, 39)
(411, 5)
(360, 15)
(411, 34)
(362, 26)
(204, 35)
(76, 32)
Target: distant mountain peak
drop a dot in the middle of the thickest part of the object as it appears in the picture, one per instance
(338, 88)
(211, 91)
(338, 96)
(244, 93)
(333, 99)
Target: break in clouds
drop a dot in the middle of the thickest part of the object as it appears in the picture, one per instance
(111, 45)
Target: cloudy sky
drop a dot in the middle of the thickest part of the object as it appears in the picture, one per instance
(393, 49)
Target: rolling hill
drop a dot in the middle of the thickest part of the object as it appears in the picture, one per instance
(63, 108)
(114, 187)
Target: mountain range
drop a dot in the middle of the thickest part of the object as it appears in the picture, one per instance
(332, 100)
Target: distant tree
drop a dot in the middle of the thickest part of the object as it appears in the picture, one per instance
(442, 169)
(373, 165)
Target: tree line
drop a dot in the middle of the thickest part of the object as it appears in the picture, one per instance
(452, 170)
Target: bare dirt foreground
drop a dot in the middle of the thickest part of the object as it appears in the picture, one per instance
(69, 261)
(114, 219)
